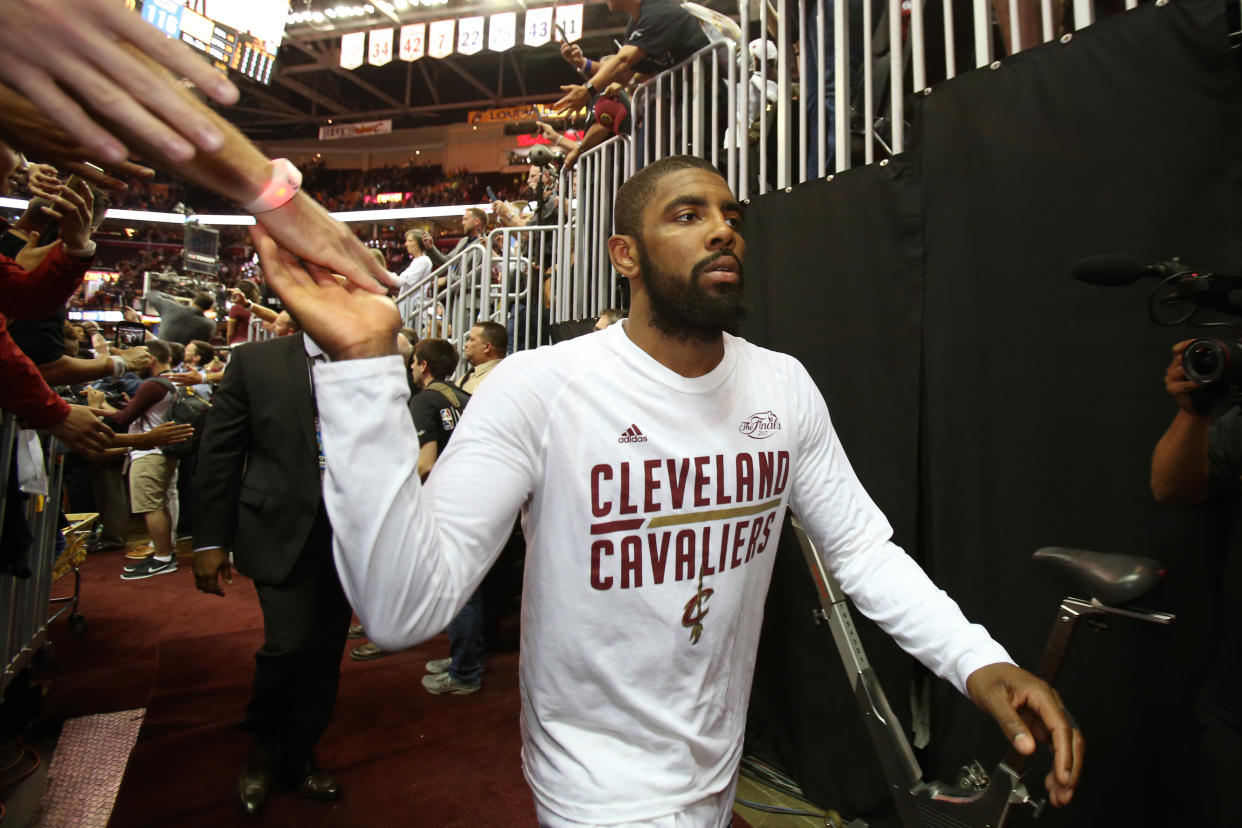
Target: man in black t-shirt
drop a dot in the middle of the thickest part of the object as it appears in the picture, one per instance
(660, 35)
(435, 409)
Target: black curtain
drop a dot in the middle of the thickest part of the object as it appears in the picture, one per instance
(859, 337)
(934, 295)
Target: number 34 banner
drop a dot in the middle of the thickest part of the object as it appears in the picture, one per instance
(465, 36)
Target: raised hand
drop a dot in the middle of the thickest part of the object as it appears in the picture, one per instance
(305, 229)
(1027, 708)
(347, 322)
(74, 206)
(24, 126)
(573, 55)
(51, 54)
(135, 358)
(190, 377)
(575, 98)
(167, 434)
(82, 431)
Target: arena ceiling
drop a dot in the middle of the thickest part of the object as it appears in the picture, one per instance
(309, 87)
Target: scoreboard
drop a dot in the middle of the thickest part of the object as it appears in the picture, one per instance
(227, 48)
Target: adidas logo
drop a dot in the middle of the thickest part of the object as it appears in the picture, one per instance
(632, 435)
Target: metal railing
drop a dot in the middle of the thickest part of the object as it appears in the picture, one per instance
(24, 601)
(877, 49)
(505, 277)
(256, 332)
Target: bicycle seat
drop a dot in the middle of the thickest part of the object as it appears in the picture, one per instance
(1111, 579)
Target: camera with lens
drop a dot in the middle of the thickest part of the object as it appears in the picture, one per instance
(1182, 294)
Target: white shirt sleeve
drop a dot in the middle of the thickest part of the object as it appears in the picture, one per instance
(854, 539)
(410, 555)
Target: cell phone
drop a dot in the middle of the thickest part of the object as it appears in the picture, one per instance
(561, 30)
(491, 195)
(129, 334)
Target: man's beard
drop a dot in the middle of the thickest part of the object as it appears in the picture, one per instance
(684, 310)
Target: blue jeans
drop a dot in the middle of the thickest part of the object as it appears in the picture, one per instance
(465, 634)
(830, 84)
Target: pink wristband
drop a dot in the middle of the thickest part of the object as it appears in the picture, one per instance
(284, 184)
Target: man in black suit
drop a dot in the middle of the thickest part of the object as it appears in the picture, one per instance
(259, 494)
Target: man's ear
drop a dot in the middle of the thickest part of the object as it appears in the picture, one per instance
(623, 250)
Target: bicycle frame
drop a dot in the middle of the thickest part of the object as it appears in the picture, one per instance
(980, 799)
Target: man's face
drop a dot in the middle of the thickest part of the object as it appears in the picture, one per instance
(10, 163)
(469, 222)
(691, 254)
(475, 348)
(601, 323)
(281, 324)
(191, 354)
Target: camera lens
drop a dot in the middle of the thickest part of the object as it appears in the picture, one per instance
(1205, 361)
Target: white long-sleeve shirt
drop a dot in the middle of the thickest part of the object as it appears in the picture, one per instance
(652, 505)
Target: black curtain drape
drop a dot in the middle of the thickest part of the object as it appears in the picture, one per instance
(993, 405)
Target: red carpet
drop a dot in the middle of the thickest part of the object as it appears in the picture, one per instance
(403, 756)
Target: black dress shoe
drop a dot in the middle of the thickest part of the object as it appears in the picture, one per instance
(311, 782)
(253, 786)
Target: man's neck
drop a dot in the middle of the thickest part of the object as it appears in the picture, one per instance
(687, 357)
(631, 7)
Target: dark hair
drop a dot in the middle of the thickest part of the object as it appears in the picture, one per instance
(479, 214)
(250, 290)
(160, 351)
(206, 353)
(176, 353)
(632, 198)
(439, 354)
(494, 333)
(204, 301)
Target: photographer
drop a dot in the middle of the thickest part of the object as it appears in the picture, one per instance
(1200, 461)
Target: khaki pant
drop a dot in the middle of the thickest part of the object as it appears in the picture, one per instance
(151, 476)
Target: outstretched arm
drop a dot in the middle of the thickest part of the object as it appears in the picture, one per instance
(409, 556)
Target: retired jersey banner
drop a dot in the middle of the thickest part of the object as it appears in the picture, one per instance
(569, 18)
(353, 49)
(440, 41)
(379, 52)
(502, 31)
(354, 130)
(413, 41)
(538, 26)
(470, 35)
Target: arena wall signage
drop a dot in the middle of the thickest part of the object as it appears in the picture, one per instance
(354, 130)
